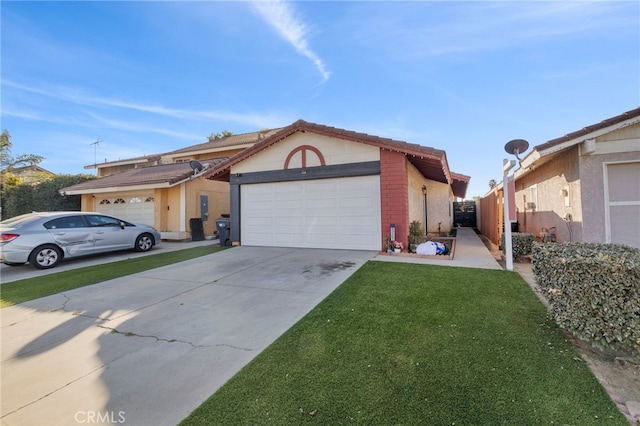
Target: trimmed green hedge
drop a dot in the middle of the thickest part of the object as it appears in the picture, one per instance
(521, 244)
(593, 290)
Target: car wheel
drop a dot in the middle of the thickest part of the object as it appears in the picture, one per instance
(144, 242)
(45, 257)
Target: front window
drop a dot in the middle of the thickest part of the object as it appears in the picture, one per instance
(66, 222)
(103, 221)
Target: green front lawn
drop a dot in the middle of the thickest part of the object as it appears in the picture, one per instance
(417, 344)
(56, 282)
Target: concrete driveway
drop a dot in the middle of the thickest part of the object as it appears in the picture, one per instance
(149, 348)
(26, 271)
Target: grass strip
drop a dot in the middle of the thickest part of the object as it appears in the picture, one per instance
(417, 344)
(34, 288)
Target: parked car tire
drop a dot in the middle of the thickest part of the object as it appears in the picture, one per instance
(144, 242)
(45, 257)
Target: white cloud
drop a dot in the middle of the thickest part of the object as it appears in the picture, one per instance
(280, 15)
(78, 97)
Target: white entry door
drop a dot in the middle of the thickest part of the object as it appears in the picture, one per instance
(341, 213)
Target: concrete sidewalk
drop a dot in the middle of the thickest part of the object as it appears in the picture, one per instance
(470, 252)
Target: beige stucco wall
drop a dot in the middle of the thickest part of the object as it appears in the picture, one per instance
(334, 151)
(86, 203)
(439, 199)
(219, 201)
(550, 179)
(169, 216)
(619, 146)
(593, 197)
(580, 171)
(175, 206)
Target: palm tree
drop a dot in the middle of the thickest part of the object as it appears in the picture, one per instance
(9, 162)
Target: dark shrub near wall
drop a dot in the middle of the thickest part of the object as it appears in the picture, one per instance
(521, 244)
(593, 290)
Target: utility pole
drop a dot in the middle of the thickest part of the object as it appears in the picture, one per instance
(95, 154)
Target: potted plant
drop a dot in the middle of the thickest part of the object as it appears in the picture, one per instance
(392, 245)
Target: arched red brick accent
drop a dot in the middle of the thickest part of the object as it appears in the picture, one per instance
(394, 194)
(303, 150)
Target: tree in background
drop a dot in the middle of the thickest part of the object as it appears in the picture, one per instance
(42, 196)
(216, 136)
(7, 161)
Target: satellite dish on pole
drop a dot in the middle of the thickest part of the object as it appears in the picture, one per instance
(196, 166)
(516, 146)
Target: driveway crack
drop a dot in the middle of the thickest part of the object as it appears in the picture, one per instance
(160, 339)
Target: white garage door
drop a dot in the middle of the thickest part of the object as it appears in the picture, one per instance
(623, 202)
(135, 207)
(341, 213)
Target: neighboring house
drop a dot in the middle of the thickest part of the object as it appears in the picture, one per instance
(31, 174)
(164, 190)
(310, 185)
(584, 186)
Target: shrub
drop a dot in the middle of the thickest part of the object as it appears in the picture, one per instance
(593, 290)
(416, 235)
(43, 196)
(521, 244)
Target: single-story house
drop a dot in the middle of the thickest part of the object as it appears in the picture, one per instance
(166, 190)
(314, 186)
(584, 186)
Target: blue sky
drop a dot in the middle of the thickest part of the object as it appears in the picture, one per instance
(149, 77)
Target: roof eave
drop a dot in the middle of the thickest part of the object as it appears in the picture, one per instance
(116, 189)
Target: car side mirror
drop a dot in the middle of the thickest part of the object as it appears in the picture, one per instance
(121, 225)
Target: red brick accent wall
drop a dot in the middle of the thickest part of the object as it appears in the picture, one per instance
(394, 194)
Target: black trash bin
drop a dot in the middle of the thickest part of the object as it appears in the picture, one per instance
(197, 231)
(222, 224)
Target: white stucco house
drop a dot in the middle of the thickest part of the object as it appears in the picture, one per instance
(314, 186)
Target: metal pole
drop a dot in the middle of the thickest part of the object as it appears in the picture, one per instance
(95, 154)
(508, 250)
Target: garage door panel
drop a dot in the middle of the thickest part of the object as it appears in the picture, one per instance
(318, 203)
(328, 213)
(625, 225)
(623, 201)
(134, 206)
(321, 239)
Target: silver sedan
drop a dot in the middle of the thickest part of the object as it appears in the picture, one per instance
(44, 238)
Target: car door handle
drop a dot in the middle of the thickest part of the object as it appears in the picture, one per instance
(99, 232)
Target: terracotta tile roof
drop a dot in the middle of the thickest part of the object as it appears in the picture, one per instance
(161, 175)
(431, 162)
(589, 129)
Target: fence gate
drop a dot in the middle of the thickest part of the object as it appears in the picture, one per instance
(464, 213)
